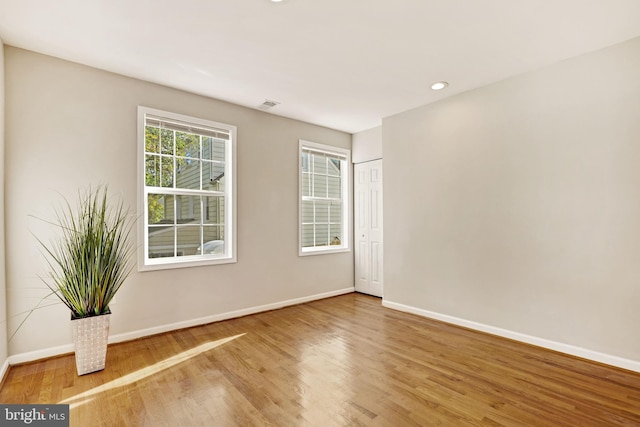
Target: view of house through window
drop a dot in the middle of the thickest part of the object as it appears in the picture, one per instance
(324, 177)
(188, 189)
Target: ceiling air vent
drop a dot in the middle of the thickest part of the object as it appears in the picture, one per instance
(268, 104)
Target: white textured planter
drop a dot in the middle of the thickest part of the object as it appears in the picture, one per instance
(90, 337)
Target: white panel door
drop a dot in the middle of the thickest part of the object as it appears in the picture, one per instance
(368, 227)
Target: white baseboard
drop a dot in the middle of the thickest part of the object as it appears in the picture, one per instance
(631, 365)
(40, 354)
(3, 370)
(128, 336)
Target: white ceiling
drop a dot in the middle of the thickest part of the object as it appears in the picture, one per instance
(343, 64)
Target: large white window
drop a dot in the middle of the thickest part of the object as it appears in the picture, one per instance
(324, 195)
(186, 190)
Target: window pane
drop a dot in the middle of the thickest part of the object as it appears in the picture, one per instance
(319, 186)
(160, 209)
(319, 164)
(213, 149)
(213, 232)
(166, 141)
(322, 234)
(213, 241)
(213, 210)
(187, 145)
(219, 150)
(214, 176)
(334, 190)
(335, 232)
(322, 212)
(205, 173)
(188, 173)
(188, 209)
(334, 166)
(207, 147)
(335, 213)
(307, 212)
(307, 236)
(161, 241)
(188, 240)
(305, 162)
(166, 171)
(306, 185)
(151, 139)
(152, 171)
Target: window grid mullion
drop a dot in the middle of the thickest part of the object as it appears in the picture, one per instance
(200, 158)
(201, 200)
(175, 213)
(175, 163)
(315, 225)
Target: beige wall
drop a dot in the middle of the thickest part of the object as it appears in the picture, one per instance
(69, 126)
(517, 205)
(367, 145)
(3, 302)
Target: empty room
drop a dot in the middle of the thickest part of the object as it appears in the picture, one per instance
(320, 213)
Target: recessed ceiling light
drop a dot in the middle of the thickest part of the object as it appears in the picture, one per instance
(276, 1)
(439, 85)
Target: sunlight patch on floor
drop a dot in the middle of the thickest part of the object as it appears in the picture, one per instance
(143, 373)
(80, 403)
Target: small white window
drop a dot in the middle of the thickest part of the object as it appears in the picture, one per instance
(324, 195)
(186, 191)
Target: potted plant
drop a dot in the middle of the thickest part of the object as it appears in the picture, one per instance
(89, 261)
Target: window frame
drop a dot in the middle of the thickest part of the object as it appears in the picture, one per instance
(345, 188)
(146, 263)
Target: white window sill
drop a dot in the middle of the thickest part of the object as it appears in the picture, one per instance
(323, 251)
(183, 263)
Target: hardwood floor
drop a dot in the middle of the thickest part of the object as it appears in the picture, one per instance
(343, 361)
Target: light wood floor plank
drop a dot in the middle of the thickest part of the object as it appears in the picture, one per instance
(343, 361)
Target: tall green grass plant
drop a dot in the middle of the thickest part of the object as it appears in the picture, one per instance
(92, 254)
